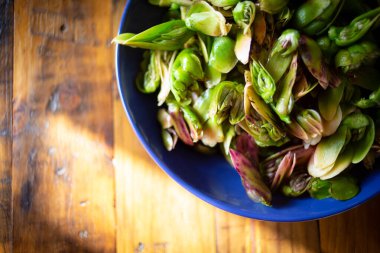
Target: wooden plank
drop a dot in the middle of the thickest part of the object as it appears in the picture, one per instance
(154, 214)
(63, 178)
(233, 233)
(286, 237)
(238, 234)
(6, 79)
(356, 230)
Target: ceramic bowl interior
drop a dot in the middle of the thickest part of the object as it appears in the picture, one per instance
(209, 177)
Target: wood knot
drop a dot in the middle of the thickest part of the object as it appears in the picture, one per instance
(20, 117)
(65, 97)
(26, 196)
(63, 28)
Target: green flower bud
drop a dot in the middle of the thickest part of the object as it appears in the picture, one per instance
(244, 14)
(203, 18)
(356, 55)
(149, 79)
(170, 35)
(186, 70)
(262, 81)
(315, 16)
(344, 36)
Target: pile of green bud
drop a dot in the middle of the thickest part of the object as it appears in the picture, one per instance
(289, 91)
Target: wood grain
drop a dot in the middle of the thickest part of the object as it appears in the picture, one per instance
(233, 233)
(286, 237)
(154, 214)
(74, 177)
(6, 76)
(238, 234)
(63, 178)
(354, 231)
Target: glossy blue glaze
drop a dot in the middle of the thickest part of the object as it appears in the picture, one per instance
(209, 177)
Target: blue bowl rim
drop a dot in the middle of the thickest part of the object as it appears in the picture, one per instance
(214, 202)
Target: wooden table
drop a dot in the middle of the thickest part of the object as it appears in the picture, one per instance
(73, 176)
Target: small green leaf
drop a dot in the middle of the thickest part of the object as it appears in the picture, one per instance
(193, 123)
(285, 100)
(151, 73)
(342, 162)
(343, 187)
(329, 127)
(327, 152)
(328, 101)
(363, 145)
(229, 135)
(277, 65)
(170, 35)
(372, 101)
(212, 76)
(320, 189)
(273, 6)
(315, 16)
(203, 18)
(356, 120)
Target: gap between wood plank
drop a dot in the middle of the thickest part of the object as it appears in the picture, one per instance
(6, 83)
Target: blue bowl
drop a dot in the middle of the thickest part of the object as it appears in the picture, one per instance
(209, 177)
